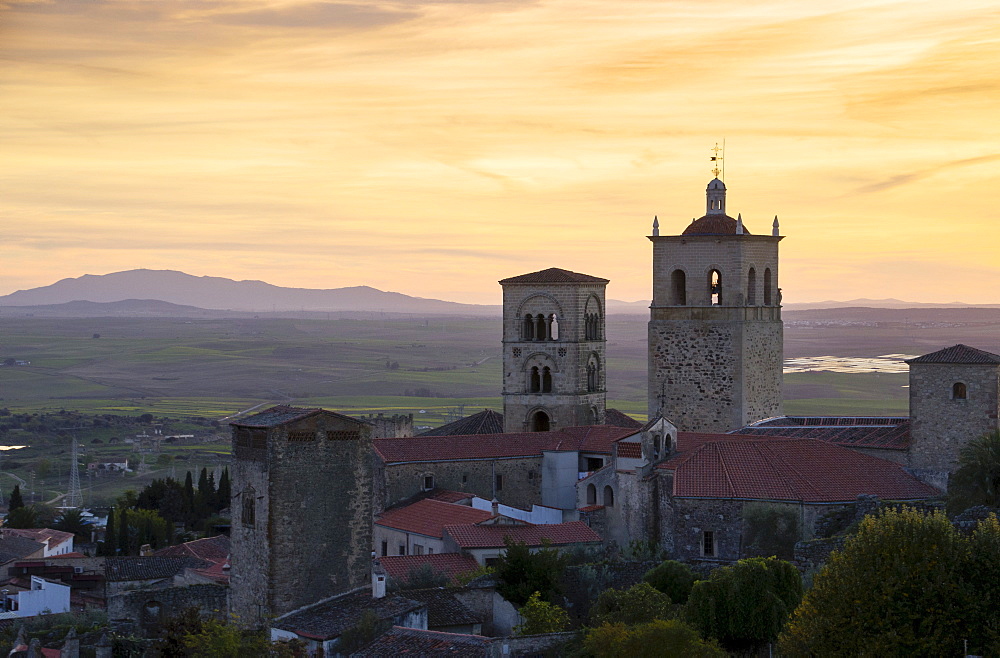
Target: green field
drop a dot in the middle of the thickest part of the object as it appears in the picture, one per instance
(445, 367)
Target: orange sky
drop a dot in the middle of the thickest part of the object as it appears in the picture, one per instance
(432, 148)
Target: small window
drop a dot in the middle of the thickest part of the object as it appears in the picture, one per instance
(959, 391)
(465, 478)
(418, 549)
(594, 463)
(499, 482)
(249, 513)
(708, 543)
(678, 288)
(428, 482)
(715, 287)
(492, 561)
(402, 549)
(430, 550)
(609, 496)
(385, 549)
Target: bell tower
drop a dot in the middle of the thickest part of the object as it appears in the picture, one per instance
(715, 332)
(553, 350)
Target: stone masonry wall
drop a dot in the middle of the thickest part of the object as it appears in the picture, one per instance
(522, 479)
(313, 486)
(148, 609)
(940, 425)
(570, 403)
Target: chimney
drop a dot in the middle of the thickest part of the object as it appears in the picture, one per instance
(496, 507)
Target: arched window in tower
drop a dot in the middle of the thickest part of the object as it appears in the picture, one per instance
(959, 391)
(534, 381)
(553, 327)
(678, 288)
(546, 380)
(593, 375)
(591, 494)
(528, 329)
(539, 422)
(767, 286)
(609, 496)
(540, 327)
(752, 287)
(715, 287)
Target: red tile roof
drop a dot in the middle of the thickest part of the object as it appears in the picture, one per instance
(958, 354)
(713, 225)
(398, 567)
(54, 537)
(214, 549)
(805, 470)
(283, 414)
(629, 450)
(593, 438)
(619, 419)
(889, 433)
(553, 275)
(429, 517)
(492, 536)
(486, 421)
(446, 496)
(400, 641)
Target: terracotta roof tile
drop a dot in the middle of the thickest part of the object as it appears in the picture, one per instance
(124, 568)
(619, 419)
(492, 536)
(329, 618)
(629, 450)
(283, 414)
(713, 225)
(398, 567)
(806, 470)
(486, 421)
(214, 549)
(889, 433)
(958, 354)
(399, 641)
(429, 517)
(447, 496)
(553, 275)
(443, 608)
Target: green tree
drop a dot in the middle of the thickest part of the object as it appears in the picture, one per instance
(673, 578)
(662, 638)
(745, 606)
(902, 585)
(189, 498)
(123, 532)
(16, 500)
(225, 489)
(22, 517)
(541, 617)
(520, 572)
(424, 577)
(110, 543)
(771, 529)
(977, 480)
(639, 604)
(71, 520)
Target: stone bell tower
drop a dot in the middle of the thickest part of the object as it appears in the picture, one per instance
(553, 350)
(715, 332)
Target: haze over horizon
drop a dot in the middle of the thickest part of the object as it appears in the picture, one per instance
(433, 147)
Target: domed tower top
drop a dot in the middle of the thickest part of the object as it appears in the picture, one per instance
(715, 197)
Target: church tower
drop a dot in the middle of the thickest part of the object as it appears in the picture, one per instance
(715, 332)
(553, 350)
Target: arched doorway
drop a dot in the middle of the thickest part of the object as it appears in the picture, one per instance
(539, 422)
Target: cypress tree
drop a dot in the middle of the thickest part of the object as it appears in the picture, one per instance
(123, 544)
(225, 491)
(16, 500)
(110, 539)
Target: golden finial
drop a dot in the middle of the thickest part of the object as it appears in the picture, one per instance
(718, 158)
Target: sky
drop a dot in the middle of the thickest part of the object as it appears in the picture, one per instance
(434, 147)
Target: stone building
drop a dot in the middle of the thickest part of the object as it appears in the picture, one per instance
(715, 332)
(954, 398)
(553, 350)
(303, 496)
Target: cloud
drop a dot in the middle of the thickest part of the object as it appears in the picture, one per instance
(319, 15)
(904, 179)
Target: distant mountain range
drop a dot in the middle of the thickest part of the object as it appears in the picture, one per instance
(172, 293)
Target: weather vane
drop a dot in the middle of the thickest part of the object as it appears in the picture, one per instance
(719, 159)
